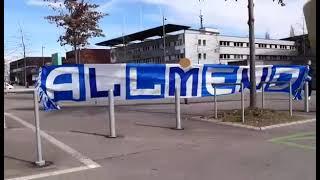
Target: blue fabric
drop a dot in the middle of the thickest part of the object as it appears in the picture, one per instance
(156, 81)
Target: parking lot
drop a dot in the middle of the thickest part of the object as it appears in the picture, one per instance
(74, 141)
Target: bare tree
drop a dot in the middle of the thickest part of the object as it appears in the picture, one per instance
(253, 91)
(24, 55)
(80, 21)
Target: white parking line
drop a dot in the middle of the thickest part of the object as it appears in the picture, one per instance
(89, 164)
(53, 173)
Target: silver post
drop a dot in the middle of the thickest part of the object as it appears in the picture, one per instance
(215, 102)
(177, 99)
(262, 95)
(290, 99)
(111, 114)
(306, 96)
(4, 121)
(242, 102)
(40, 162)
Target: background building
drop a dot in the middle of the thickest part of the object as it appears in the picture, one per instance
(89, 56)
(17, 69)
(203, 46)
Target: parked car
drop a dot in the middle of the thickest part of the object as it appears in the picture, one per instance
(8, 86)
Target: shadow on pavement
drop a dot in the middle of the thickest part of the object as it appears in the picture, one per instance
(148, 125)
(89, 133)
(17, 159)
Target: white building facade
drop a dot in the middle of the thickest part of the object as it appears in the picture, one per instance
(205, 46)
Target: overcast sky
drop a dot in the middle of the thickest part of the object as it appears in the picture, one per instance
(128, 16)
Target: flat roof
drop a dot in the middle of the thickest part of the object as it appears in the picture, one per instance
(142, 35)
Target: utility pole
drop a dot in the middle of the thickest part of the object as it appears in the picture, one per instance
(42, 47)
(164, 39)
(201, 20)
(253, 93)
(24, 57)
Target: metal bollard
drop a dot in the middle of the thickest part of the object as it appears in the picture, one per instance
(242, 102)
(111, 114)
(215, 102)
(4, 121)
(306, 96)
(40, 162)
(262, 96)
(290, 98)
(178, 118)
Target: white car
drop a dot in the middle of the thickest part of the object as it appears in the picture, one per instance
(8, 86)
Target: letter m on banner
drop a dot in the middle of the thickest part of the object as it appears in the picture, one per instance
(186, 79)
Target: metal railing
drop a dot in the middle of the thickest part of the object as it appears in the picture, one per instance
(215, 98)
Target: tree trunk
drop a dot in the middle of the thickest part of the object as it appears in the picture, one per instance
(75, 54)
(79, 55)
(253, 92)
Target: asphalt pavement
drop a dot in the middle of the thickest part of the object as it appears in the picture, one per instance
(74, 140)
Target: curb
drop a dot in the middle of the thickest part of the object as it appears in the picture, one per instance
(253, 127)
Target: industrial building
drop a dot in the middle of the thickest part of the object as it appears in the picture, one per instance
(18, 67)
(89, 56)
(201, 46)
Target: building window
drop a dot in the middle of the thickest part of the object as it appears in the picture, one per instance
(199, 42)
(199, 56)
(204, 56)
(224, 43)
(262, 45)
(238, 56)
(247, 44)
(282, 47)
(238, 44)
(224, 56)
(204, 42)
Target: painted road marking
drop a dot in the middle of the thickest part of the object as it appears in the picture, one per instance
(287, 140)
(53, 173)
(89, 164)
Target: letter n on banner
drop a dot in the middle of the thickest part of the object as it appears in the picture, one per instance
(145, 81)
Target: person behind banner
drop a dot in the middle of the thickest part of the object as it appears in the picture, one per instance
(309, 79)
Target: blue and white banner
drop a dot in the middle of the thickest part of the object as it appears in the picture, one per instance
(86, 82)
